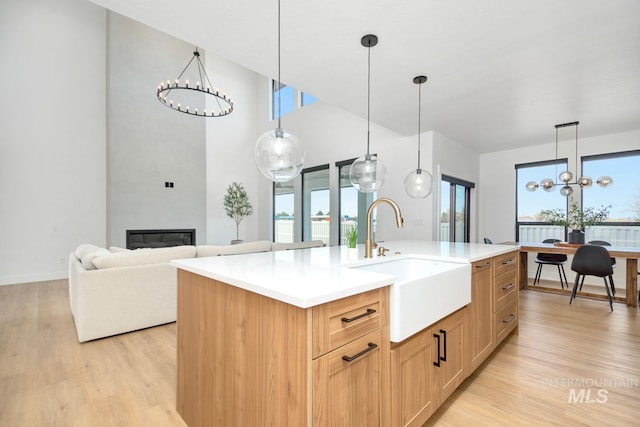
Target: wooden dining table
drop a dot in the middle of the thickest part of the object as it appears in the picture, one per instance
(631, 254)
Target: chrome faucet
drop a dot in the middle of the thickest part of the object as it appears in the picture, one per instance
(369, 244)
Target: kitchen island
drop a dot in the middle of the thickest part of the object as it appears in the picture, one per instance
(301, 338)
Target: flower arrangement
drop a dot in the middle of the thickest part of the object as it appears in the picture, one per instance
(352, 237)
(576, 219)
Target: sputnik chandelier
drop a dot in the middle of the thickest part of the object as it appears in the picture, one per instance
(566, 177)
(188, 99)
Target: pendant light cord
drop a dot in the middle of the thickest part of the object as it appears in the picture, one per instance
(368, 96)
(419, 116)
(279, 82)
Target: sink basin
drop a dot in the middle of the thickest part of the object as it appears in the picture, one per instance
(423, 292)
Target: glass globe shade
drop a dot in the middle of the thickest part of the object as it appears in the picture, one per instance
(279, 155)
(367, 174)
(565, 176)
(532, 186)
(547, 184)
(566, 191)
(605, 181)
(418, 184)
(585, 182)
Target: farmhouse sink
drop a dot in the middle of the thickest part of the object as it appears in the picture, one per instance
(423, 292)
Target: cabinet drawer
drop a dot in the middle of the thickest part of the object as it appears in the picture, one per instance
(506, 262)
(339, 322)
(506, 319)
(505, 286)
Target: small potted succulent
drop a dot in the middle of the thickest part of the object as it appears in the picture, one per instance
(576, 219)
(237, 206)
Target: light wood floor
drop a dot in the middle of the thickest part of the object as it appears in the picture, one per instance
(48, 379)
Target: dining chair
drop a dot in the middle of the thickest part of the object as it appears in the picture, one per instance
(613, 262)
(551, 259)
(592, 260)
(488, 241)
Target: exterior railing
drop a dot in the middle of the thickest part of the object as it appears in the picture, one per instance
(617, 235)
(320, 230)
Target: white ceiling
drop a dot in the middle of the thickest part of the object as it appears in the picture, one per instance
(501, 73)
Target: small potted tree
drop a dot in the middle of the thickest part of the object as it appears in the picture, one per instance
(237, 206)
(576, 219)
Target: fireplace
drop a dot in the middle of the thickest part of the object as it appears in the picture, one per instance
(160, 238)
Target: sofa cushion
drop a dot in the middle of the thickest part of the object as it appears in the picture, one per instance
(118, 249)
(240, 248)
(89, 256)
(144, 256)
(297, 245)
(84, 248)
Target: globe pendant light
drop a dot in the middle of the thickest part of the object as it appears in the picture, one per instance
(367, 173)
(419, 182)
(278, 154)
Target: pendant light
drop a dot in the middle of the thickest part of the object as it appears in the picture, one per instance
(278, 154)
(565, 177)
(419, 182)
(367, 173)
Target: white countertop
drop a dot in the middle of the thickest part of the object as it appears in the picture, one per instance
(309, 277)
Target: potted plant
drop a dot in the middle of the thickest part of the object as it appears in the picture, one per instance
(352, 242)
(237, 206)
(576, 219)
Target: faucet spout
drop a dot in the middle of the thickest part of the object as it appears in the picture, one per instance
(369, 244)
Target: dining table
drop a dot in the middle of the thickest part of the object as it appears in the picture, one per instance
(631, 254)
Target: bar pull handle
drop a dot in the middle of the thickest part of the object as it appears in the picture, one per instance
(508, 262)
(370, 347)
(485, 265)
(506, 288)
(437, 362)
(509, 319)
(369, 312)
(444, 344)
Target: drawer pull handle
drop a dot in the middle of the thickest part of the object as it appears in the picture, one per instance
(485, 265)
(509, 319)
(437, 362)
(369, 312)
(509, 262)
(506, 288)
(370, 347)
(444, 344)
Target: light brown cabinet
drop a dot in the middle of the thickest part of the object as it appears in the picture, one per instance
(493, 312)
(480, 325)
(426, 369)
(245, 359)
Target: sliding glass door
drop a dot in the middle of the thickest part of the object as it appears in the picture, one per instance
(455, 197)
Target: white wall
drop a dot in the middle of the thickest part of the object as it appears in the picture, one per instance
(52, 136)
(230, 141)
(150, 144)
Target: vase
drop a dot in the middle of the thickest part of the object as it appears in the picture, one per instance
(352, 254)
(576, 237)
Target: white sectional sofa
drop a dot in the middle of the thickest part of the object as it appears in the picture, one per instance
(117, 290)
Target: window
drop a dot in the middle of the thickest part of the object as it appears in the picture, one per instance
(530, 227)
(353, 205)
(455, 197)
(306, 99)
(284, 214)
(286, 96)
(316, 218)
(623, 226)
(290, 98)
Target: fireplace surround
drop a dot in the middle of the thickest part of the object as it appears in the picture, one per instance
(137, 239)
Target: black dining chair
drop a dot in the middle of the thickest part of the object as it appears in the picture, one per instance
(591, 260)
(488, 241)
(613, 262)
(551, 259)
